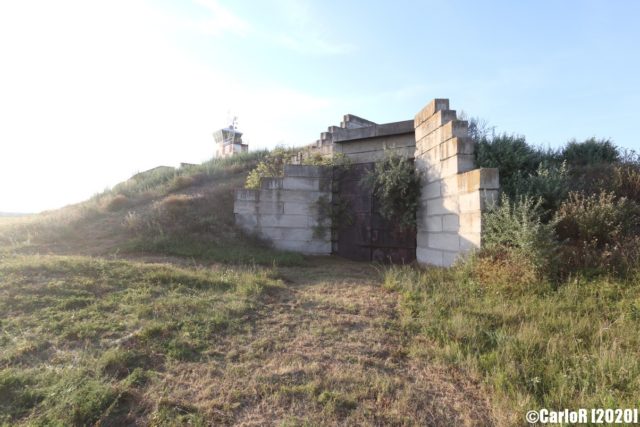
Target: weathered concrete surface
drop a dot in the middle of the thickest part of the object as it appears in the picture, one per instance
(375, 149)
(454, 193)
(285, 211)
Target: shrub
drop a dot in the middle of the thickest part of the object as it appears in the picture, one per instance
(117, 202)
(549, 183)
(181, 181)
(510, 153)
(338, 160)
(505, 271)
(589, 152)
(173, 206)
(517, 226)
(271, 166)
(599, 233)
(396, 186)
(626, 181)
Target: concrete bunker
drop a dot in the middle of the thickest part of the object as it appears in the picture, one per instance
(453, 192)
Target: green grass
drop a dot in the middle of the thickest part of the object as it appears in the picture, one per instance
(187, 212)
(165, 181)
(572, 346)
(243, 251)
(80, 336)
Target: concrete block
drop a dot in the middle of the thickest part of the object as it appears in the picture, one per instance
(375, 131)
(314, 221)
(450, 222)
(433, 224)
(381, 143)
(469, 241)
(271, 183)
(484, 178)
(290, 221)
(430, 109)
(296, 208)
(470, 202)
(301, 183)
(456, 146)
(246, 221)
(435, 121)
(428, 167)
(431, 155)
(471, 222)
(379, 155)
(429, 256)
(269, 207)
(244, 194)
(427, 226)
(301, 196)
(442, 206)
(457, 164)
(452, 129)
(431, 190)
(444, 241)
(450, 186)
(488, 198)
(280, 233)
(245, 207)
(306, 171)
(422, 239)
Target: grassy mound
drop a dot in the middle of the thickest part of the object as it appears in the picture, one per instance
(186, 212)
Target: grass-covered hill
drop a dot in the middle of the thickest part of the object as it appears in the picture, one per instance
(187, 212)
(146, 306)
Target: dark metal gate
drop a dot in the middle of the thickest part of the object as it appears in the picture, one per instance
(368, 236)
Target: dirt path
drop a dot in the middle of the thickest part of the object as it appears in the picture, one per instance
(326, 350)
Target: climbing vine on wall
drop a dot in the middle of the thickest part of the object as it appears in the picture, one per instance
(335, 212)
(396, 185)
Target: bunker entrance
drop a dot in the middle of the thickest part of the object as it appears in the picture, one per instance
(368, 236)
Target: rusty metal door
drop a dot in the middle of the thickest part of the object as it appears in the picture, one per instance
(368, 236)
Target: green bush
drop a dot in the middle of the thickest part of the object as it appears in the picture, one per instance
(511, 154)
(589, 152)
(396, 186)
(549, 183)
(272, 166)
(517, 226)
(626, 180)
(599, 233)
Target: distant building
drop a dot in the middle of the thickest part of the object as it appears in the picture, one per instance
(229, 141)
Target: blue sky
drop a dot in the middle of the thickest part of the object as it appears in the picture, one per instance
(92, 92)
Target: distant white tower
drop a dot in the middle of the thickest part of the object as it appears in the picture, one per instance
(229, 140)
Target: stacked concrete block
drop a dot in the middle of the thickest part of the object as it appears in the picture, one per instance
(454, 193)
(286, 210)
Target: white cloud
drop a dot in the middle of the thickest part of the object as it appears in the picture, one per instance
(313, 44)
(220, 20)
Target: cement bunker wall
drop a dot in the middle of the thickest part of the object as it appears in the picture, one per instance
(285, 210)
(373, 143)
(454, 193)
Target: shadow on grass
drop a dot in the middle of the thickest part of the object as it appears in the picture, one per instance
(239, 252)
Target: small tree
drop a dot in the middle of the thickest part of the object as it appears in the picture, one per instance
(272, 166)
(396, 185)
